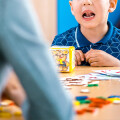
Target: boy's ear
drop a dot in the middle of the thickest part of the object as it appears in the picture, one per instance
(113, 4)
(70, 2)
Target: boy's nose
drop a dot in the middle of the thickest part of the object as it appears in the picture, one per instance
(87, 2)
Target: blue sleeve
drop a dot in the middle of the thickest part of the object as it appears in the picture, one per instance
(54, 42)
(58, 41)
(24, 49)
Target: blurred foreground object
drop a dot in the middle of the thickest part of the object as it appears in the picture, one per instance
(23, 48)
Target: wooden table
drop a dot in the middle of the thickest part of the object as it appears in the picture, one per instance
(106, 88)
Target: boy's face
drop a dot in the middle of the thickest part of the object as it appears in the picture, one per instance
(91, 13)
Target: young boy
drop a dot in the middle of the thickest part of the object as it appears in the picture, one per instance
(96, 40)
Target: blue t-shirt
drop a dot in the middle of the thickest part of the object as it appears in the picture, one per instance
(110, 43)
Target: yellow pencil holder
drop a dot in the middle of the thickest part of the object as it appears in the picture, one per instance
(64, 57)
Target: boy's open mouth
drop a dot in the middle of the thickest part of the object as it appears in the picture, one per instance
(88, 14)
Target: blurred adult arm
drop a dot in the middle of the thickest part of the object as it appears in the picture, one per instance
(22, 46)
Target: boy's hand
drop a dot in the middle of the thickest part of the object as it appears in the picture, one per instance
(79, 57)
(101, 58)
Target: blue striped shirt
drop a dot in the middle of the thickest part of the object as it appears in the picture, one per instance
(110, 43)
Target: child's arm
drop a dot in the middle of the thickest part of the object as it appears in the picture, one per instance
(79, 57)
(101, 58)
